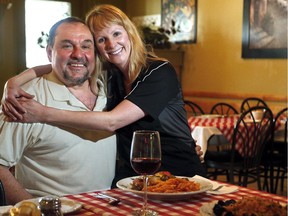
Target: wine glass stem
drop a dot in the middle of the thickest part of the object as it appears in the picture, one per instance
(145, 192)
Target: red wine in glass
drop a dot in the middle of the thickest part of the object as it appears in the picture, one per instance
(146, 165)
(145, 159)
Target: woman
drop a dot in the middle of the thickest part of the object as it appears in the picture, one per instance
(143, 92)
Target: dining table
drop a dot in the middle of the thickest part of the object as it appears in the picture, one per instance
(91, 205)
(203, 127)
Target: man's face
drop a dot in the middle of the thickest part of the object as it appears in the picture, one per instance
(72, 55)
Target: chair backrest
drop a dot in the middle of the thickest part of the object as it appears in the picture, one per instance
(250, 102)
(223, 109)
(2, 195)
(254, 134)
(192, 108)
(282, 115)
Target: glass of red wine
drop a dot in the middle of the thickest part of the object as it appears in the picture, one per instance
(145, 159)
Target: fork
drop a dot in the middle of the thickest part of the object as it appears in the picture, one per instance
(217, 188)
(113, 200)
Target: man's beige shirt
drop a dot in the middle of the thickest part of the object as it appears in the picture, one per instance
(58, 160)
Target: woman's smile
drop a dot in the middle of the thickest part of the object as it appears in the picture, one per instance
(118, 51)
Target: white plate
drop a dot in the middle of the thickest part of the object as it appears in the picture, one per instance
(67, 205)
(125, 184)
(207, 209)
(224, 190)
(4, 210)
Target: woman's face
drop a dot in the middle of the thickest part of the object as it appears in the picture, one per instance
(114, 45)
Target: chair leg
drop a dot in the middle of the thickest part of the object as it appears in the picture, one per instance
(277, 179)
(283, 179)
(265, 181)
(245, 180)
(240, 179)
(230, 176)
(273, 188)
(227, 176)
(259, 179)
(215, 174)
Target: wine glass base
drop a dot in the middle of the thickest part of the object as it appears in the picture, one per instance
(147, 212)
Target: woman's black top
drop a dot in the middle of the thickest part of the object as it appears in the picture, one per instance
(158, 93)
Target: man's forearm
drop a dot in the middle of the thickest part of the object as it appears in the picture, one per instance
(13, 190)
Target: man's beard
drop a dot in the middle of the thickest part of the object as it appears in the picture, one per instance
(75, 81)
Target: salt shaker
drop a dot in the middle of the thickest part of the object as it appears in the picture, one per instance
(50, 206)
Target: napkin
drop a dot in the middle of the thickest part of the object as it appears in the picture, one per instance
(4, 210)
(224, 190)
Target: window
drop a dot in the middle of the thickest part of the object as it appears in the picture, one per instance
(40, 15)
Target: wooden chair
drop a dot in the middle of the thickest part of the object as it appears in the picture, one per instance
(193, 109)
(250, 102)
(244, 165)
(223, 109)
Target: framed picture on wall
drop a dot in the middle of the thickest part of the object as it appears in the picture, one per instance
(179, 18)
(264, 29)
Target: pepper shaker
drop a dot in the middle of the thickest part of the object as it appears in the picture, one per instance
(50, 206)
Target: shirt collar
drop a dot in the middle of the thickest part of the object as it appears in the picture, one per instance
(60, 92)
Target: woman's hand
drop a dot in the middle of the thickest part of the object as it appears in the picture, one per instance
(34, 111)
(10, 104)
(199, 152)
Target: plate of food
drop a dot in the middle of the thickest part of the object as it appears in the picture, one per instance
(165, 186)
(67, 205)
(248, 205)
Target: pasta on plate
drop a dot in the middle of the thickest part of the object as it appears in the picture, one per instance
(165, 182)
(164, 186)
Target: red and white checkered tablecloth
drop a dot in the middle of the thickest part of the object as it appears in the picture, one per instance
(224, 124)
(203, 127)
(95, 206)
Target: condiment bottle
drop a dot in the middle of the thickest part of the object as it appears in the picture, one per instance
(50, 206)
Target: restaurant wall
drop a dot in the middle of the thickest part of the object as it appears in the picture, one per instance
(12, 45)
(213, 68)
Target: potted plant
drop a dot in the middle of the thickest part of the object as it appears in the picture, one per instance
(158, 37)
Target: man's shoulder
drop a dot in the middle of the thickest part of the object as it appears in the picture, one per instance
(43, 83)
(33, 84)
(42, 87)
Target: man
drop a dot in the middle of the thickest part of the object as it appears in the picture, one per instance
(59, 160)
